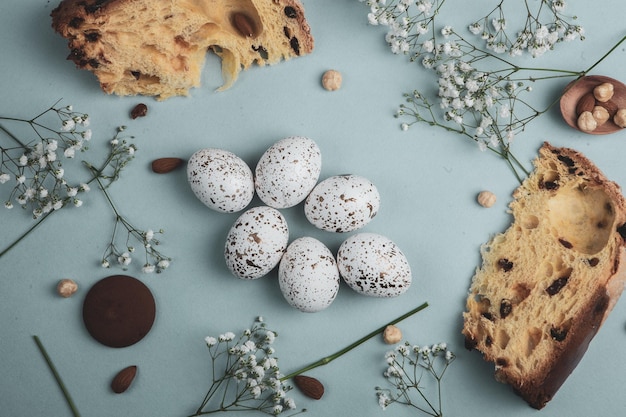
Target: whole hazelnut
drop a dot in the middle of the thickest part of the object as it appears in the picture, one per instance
(601, 115)
(66, 288)
(486, 198)
(586, 122)
(331, 80)
(603, 92)
(620, 118)
(392, 335)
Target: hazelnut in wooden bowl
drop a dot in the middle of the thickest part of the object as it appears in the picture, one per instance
(592, 104)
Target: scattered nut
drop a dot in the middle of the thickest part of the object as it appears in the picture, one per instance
(66, 288)
(121, 382)
(331, 80)
(586, 122)
(600, 114)
(165, 165)
(392, 335)
(140, 110)
(620, 118)
(610, 107)
(486, 198)
(309, 386)
(603, 92)
(585, 103)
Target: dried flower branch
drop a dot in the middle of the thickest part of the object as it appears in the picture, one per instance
(480, 92)
(406, 366)
(40, 182)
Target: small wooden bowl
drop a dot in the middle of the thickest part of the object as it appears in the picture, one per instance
(578, 88)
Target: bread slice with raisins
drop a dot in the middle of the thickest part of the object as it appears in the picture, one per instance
(158, 47)
(549, 281)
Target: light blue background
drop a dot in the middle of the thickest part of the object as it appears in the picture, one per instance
(427, 179)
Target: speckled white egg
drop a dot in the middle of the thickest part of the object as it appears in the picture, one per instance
(256, 242)
(342, 203)
(220, 179)
(308, 275)
(373, 265)
(287, 171)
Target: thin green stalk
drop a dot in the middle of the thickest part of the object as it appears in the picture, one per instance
(348, 348)
(66, 393)
(23, 235)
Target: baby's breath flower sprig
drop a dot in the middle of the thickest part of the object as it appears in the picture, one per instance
(40, 182)
(246, 376)
(406, 366)
(121, 153)
(481, 93)
(35, 168)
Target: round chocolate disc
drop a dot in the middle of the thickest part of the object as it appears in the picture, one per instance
(119, 311)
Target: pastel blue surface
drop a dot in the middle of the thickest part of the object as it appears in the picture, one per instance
(428, 180)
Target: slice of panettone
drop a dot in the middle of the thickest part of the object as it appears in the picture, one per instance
(549, 281)
(158, 47)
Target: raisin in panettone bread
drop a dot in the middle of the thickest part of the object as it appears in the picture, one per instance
(549, 281)
(158, 47)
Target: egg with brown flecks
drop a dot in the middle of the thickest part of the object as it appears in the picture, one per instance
(373, 265)
(342, 203)
(220, 179)
(256, 242)
(287, 171)
(308, 275)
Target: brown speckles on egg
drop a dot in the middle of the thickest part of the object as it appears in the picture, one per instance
(342, 203)
(220, 179)
(287, 172)
(373, 265)
(308, 275)
(256, 242)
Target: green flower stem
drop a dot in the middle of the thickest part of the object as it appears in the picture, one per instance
(66, 393)
(359, 342)
(26, 233)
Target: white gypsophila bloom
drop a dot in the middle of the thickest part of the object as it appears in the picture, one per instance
(163, 264)
(148, 269)
(70, 152)
(21, 179)
(558, 5)
(105, 264)
(404, 127)
(43, 193)
(148, 235)
(482, 146)
(499, 23)
(59, 172)
(84, 187)
(277, 409)
(68, 125)
(8, 205)
(505, 110)
(86, 134)
(424, 6)
(124, 259)
(476, 28)
(4, 177)
(72, 191)
(255, 391)
(290, 403)
(77, 202)
(383, 400)
(270, 336)
(228, 336)
(52, 145)
(210, 341)
(449, 355)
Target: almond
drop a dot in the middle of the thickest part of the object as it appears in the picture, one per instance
(310, 387)
(165, 165)
(244, 25)
(585, 103)
(123, 379)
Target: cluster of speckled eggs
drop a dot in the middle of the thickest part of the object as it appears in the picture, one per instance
(287, 174)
